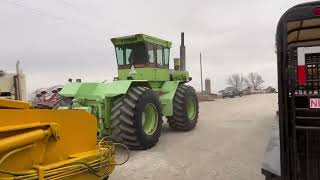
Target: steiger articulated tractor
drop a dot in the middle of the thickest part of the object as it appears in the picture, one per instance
(130, 108)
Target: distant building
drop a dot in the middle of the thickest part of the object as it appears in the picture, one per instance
(207, 84)
(247, 91)
(270, 90)
(13, 86)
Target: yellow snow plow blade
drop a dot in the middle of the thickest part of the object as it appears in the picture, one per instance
(51, 144)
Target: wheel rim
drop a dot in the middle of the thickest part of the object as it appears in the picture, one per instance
(149, 119)
(191, 108)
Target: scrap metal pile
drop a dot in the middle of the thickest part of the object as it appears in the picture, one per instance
(49, 98)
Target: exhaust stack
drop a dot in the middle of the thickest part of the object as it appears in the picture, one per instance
(182, 53)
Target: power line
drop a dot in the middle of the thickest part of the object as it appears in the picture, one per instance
(71, 5)
(35, 11)
(88, 28)
(66, 3)
(39, 12)
(77, 9)
(201, 73)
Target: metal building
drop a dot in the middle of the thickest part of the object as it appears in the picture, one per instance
(207, 84)
(13, 85)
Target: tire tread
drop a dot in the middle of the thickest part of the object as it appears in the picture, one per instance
(122, 119)
(179, 119)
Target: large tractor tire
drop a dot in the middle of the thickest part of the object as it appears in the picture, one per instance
(136, 118)
(185, 109)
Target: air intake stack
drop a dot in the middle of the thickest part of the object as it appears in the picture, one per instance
(182, 53)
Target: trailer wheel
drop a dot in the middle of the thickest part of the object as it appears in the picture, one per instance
(185, 109)
(136, 118)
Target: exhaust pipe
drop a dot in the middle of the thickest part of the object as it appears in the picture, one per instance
(182, 53)
(17, 82)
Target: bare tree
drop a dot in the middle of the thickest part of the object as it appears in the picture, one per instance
(236, 81)
(255, 81)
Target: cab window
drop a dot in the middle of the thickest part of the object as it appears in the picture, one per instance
(131, 54)
(166, 56)
(150, 49)
(159, 56)
(120, 56)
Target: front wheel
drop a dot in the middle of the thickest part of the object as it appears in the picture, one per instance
(185, 109)
(136, 118)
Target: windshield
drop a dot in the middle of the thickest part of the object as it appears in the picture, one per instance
(131, 54)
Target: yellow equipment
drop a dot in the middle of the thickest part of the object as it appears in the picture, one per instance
(51, 144)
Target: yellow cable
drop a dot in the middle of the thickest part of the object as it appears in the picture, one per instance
(104, 159)
(10, 154)
(13, 152)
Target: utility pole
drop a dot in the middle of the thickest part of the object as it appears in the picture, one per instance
(201, 73)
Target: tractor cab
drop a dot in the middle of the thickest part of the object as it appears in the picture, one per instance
(143, 57)
(141, 51)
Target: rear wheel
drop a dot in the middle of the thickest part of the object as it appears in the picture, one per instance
(185, 109)
(136, 118)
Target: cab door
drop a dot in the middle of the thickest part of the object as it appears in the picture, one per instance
(162, 69)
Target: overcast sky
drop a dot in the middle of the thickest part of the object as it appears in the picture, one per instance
(58, 39)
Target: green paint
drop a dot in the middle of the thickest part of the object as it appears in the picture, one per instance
(140, 38)
(149, 119)
(147, 73)
(93, 91)
(191, 108)
(168, 91)
(106, 130)
(98, 98)
(180, 75)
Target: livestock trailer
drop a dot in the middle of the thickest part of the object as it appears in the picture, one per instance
(293, 152)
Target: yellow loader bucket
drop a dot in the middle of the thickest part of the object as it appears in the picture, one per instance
(51, 144)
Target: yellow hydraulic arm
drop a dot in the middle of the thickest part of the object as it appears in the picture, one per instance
(51, 144)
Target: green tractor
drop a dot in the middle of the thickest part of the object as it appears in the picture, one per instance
(130, 109)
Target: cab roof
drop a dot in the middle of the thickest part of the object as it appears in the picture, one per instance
(140, 38)
(300, 23)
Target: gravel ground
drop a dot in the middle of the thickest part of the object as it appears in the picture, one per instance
(227, 144)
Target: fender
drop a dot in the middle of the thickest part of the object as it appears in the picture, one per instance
(94, 91)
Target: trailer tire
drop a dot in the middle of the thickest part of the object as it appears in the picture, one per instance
(136, 118)
(185, 109)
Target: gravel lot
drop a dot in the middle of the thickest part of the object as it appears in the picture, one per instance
(227, 144)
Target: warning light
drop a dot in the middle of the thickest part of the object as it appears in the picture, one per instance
(302, 75)
(316, 11)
